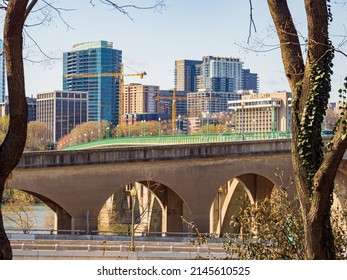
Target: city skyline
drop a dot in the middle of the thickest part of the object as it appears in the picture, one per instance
(154, 41)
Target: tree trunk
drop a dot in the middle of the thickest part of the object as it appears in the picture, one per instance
(12, 147)
(314, 169)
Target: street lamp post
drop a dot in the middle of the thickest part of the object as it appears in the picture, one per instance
(235, 120)
(207, 120)
(133, 199)
(107, 132)
(159, 120)
(144, 129)
(220, 191)
(179, 123)
(202, 123)
(274, 123)
(117, 130)
(243, 121)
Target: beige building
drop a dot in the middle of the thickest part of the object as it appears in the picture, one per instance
(262, 112)
(139, 98)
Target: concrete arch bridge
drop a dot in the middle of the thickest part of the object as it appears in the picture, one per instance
(202, 182)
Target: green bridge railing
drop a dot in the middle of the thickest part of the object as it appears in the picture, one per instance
(181, 139)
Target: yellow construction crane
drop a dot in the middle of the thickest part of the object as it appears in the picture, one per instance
(120, 76)
(174, 98)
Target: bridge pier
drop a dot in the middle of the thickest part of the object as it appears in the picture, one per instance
(62, 219)
(172, 211)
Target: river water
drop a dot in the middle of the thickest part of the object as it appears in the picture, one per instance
(37, 217)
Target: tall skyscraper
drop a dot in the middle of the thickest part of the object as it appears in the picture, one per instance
(249, 80)
(220, 74)
(2, 73)
(89, 62)
(185, 74)
(61, 111)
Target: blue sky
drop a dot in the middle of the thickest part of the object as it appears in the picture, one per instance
(186, 29)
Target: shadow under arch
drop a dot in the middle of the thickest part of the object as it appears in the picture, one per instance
(62, 219)
(232, 196)
(158, 209)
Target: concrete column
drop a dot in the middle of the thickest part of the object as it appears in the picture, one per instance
(62, 219)
(164, 220)
(173, 210)
(201, 221)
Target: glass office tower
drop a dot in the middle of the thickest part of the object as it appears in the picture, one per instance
(83, 69)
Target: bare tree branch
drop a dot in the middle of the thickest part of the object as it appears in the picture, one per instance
(40, 50)
(251, 21)
(30, 7)
(158, 6)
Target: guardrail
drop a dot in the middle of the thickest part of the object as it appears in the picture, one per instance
(103, 233)
(182, 139)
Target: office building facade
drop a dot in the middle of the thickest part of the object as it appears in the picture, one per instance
(262, 112)
(88, 67)
(220, 74)
(61, 111)
(5, 108)
(139, 98)
(250, 80)
(206, 101)
(163, 102)
(185, 74)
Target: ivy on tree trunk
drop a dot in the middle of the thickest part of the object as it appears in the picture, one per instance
(314, 165)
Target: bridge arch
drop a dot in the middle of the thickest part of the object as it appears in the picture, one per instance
(231, 196)
(62, 219)
(157, 208)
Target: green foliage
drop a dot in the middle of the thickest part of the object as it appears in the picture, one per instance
(309, 138)
(273, 229)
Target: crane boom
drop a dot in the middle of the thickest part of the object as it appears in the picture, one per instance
(120, 76)
(175, 98)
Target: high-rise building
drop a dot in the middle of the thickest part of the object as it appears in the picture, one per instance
(249, 80)
(206, 101)
(61, 111)
(185, 74)
(163, 102)
(83, 69)
(31, 101)
(262, 112)
(5, 108)
(139, 98)
(2, 73)
(220, 74)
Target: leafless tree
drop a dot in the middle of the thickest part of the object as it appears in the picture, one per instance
(16, 14)
(309, 77)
